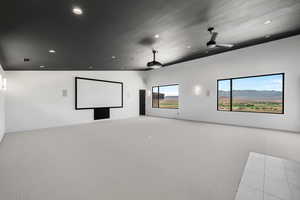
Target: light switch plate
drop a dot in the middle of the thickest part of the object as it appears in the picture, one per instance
(207, 93)
(64, 93)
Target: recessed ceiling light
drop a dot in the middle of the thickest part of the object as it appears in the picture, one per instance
(113, 57)
(42, 66)
(77, 11)
(267, 22)
(188, 47)
(52, 51)
(156, 36)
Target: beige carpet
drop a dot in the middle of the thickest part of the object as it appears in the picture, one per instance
(134, 159)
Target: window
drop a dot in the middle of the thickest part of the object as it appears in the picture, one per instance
(260, 94)
(224, 88)
(155, 97)
(166, 96)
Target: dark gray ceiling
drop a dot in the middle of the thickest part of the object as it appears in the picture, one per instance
(125, 29)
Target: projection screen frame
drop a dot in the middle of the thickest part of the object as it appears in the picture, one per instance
(106, 81)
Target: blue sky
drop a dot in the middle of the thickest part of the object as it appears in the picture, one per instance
(169, 90)
(273, 82)
(224, 85)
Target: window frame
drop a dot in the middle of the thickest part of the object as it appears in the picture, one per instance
(230, 96)
(158, 97)
(243, 77)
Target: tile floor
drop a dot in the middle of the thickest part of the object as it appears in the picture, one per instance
(269, 178)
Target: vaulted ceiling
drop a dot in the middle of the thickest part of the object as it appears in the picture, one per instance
(126, 29)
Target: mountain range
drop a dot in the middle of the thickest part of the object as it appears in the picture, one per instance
(253, 94)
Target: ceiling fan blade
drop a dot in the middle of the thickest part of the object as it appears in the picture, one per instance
(213, 36)
(225, 45)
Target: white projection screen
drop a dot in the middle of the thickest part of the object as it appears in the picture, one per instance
(93, 93)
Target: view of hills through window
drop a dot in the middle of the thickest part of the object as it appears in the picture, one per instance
(165, 96)
(252, 94)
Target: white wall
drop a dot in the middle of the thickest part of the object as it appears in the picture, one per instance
(34, 99)
(273, 57)
(2, 109)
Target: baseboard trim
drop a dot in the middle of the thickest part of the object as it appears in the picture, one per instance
(225, 124)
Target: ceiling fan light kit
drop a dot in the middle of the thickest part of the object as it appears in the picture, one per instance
(154, 64)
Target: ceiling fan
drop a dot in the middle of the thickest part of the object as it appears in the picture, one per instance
(154, 64)
(212, 42)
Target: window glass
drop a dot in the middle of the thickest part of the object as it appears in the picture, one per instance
(224, 91)
(258, 94)
(155, 97)
(168, 96)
